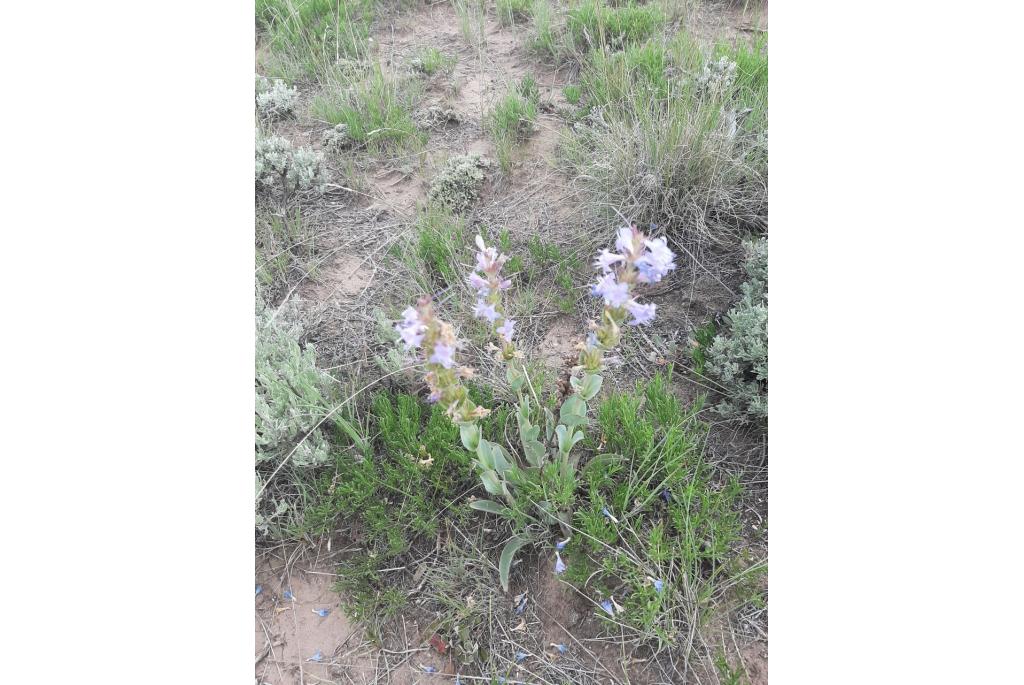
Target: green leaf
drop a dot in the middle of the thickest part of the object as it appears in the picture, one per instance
(567, 438)
(491, 482)
(573, 411)
(485, 454)
(489, 506)
(515, 379)
(505, 562)
(588, 386)
(502, 462)
(470, 434)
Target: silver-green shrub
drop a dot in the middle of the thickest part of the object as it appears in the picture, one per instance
(738, 358)
(290, 394)
(290, 402)
(290, 169)
(274, 98)
(457, 184)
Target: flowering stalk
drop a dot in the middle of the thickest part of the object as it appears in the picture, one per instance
(486, 280)
(422, 330)
(636, 260)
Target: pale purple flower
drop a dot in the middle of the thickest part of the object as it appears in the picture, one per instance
(666, 495)
(505, 330)
(642, 313)
(479, 283)
(608, 515)
(288, 595)
(428, 669)
(521, 656)
(443, 355)
(656, 262)
(624, 240)
(608, 608)
(485, 310)
(487, 259)
(322, 613)
(562, 649)
(560, 545)
(559, 564)
(606, 259)
(259, 589)
(505, 284)
(615, 294)
(434, 397)
(411, 329)
(318, 657)
(659, 585)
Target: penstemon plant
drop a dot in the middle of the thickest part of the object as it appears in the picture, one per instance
(536, 486)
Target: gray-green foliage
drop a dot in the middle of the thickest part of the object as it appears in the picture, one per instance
(290, 394)
(274, 98)
(457, 184)
(738, 358)
(279, 165)
(290, 402)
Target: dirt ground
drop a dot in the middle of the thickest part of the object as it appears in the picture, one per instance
(537, 199)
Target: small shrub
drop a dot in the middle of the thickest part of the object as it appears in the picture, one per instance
(431, 61)
(274, 99)
(336, 139)
(280, 166)
(738, 357)
(513, 11)
(456, 185)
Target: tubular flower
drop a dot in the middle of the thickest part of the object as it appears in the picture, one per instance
(488, 283)
(437, 345)
(637, 259)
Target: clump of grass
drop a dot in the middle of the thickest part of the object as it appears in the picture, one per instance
(431, 60)
(662, 147)
(307, 37)
(660, 524)
(572, 94)
(545, 39)
(512, 119)
(472, 20)
(512, 11)
(376, 111)
(440, 239)
(286, 247)
(593, 24)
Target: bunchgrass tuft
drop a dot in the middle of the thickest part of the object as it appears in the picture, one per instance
(513, 11)
(307, 37)
(676, 137)
(376, 110)
(512, 120)
(431, 60)
(594, 24)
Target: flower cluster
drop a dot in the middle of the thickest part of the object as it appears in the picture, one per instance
(486, 280)
(637, 260)
(420, 329)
